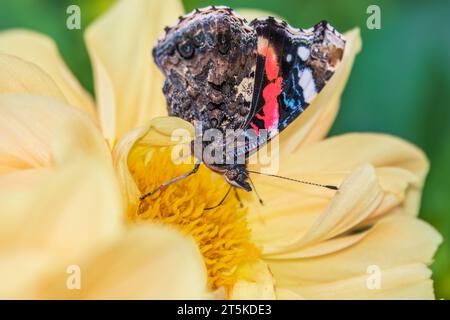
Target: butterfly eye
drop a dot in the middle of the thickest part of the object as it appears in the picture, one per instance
(186, 49)
(223, 43)
(231, 174)
(199, 39)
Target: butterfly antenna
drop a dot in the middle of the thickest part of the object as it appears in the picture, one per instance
(256, 192)
(295, 180)
(238, 198)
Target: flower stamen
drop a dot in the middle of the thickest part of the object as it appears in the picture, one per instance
(221, 233)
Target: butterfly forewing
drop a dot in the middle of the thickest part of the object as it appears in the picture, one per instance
(293, 66)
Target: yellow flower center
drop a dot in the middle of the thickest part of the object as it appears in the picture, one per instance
(222, 233)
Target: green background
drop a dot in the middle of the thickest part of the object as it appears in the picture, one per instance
(400, 82)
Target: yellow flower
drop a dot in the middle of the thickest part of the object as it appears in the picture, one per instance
(62, 230)
(61, 204)
(305, 242)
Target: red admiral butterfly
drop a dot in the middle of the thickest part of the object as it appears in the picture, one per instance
(230, 74)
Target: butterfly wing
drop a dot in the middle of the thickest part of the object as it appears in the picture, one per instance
(208, 59)
(293, 66)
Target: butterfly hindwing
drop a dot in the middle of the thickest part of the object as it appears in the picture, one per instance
(208, 59)
(293, 66)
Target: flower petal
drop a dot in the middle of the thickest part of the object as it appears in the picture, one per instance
(255, 283)
(158, 133)
(340, 154)
(292, 208)
(358, 196)
(411, 282)
(128, 84)
(42, 51)
(59, 219)
(322, 248)
(159, 264)
(402, 189)
(29, 126)
(401, 166)
(72, 210)
(287, 294)
(20, 270)
(20, 76)
(393, 242)
(74, 199)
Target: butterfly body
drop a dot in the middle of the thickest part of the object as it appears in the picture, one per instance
(229, 74)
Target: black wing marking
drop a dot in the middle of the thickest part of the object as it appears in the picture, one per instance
(306, 61)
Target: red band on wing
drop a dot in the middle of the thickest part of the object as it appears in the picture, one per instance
(271, 91)
(271, 66)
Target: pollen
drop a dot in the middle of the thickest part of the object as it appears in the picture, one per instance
(221, 233)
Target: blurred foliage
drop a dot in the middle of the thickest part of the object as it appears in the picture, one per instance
(400, 82)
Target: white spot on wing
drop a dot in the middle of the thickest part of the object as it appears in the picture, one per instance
(246, 88)
(306, 82)
(289, 57)
(303, 53)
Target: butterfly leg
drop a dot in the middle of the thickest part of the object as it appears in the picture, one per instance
(221, 201)
(165, 184)
(241, 205)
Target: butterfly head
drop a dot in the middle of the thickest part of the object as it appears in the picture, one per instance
(237, 176)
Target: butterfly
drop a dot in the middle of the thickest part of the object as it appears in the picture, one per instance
(229, 74)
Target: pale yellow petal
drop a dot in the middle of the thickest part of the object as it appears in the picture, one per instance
(158, 133)
(287, 294)
(128, 84)
(358, 197)
(149, 262)
(410, 282)
(66, 209)
(76, 208)
(402, 192)
(57, 217)
(71, 200)
(291, 208)
(23, 178)
(401, 166)
(20, 76)
(42, 51)
(392, 242)
(29, 126)
(255, 283)
(340, 154)
(322, 248)
(20, 271)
